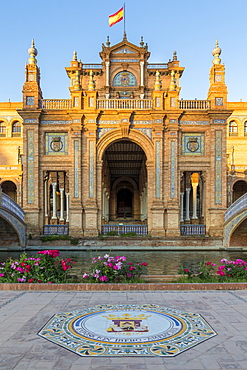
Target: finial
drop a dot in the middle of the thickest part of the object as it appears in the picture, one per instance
(216, 53)
(91, 83)
(175, 55)
(157, 84)
(32, 51)
(75, 56)
(77, 84)
(141, 42)
(173, 85)
(125, 36)
(108, 42)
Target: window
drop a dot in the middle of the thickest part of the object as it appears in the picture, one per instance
(245, 128)
(233, 128)
(16, 129)
(2, 129)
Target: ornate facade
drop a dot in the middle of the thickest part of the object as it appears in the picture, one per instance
(124, 152)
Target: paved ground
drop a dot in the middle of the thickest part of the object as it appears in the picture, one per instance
(23, 314)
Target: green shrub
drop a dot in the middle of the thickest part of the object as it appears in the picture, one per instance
(112, 233)
(131, 233)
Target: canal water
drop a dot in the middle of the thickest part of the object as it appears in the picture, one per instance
(159, 262)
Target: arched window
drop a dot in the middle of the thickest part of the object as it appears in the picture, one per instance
(245, 128)
(2, 129)
(233, 128)
(16, 129)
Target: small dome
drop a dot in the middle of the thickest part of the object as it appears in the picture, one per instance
(32, 50)
(216, 53)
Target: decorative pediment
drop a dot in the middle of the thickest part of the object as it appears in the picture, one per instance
(124, 51)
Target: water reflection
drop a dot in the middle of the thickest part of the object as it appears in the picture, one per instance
(159, 262)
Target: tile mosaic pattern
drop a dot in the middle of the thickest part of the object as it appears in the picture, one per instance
(127, 330)
(193, 144)
(76, 169)
(157, 169)
(56, 143)
(30, 166)
(173, 169)
(218, 167)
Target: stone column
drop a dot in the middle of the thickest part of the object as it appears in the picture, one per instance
(54, 197)
(67, 207)
(142, 73)
(187, 217)
(46, 196)
(107, 70)
(61, 204)
(194, 182)
(182, 207)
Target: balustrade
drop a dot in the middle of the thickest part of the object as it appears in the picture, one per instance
(124, 229)
(56, 104)
(12, 206)
(190, 230)
(236, 207)
(194, 104)
(124, 104)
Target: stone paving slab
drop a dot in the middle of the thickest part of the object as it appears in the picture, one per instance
(23, 314)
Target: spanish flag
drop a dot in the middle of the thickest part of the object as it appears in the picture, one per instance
(117, 17)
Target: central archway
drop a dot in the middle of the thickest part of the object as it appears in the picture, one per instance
(124, 183)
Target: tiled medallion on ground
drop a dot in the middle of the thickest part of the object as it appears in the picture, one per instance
(127, 330)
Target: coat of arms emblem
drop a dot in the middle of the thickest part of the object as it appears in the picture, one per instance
(127, 323)
(193, 144)
(56, 144)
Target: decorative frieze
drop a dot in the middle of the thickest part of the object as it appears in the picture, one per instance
(54, 122)
(192, 123)
(30, 121)
(103, 131)
(219, 121)
(145, 131)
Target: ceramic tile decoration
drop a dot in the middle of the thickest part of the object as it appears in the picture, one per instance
(127, 330)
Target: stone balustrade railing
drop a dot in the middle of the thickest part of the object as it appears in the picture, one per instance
(236, 207)
(124, 229)
(56, 104)
(194, 104)
(124, 104)
(11, 205)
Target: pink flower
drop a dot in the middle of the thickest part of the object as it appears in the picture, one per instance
(2, 274)
(85, 276)
(221, 273)
(186, 270)
(22, 280)
(20, 269)
(132, 268)
(103, 278)
(144, 264)
(110, 264)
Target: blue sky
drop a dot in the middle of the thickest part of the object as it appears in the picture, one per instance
(59, 27)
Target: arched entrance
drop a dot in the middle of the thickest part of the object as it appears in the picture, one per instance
(10, 189)
(239, 188)
(124, 183)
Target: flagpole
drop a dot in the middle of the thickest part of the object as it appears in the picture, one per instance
(124, 21)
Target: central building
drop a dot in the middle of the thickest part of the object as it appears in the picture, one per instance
(124, 152)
